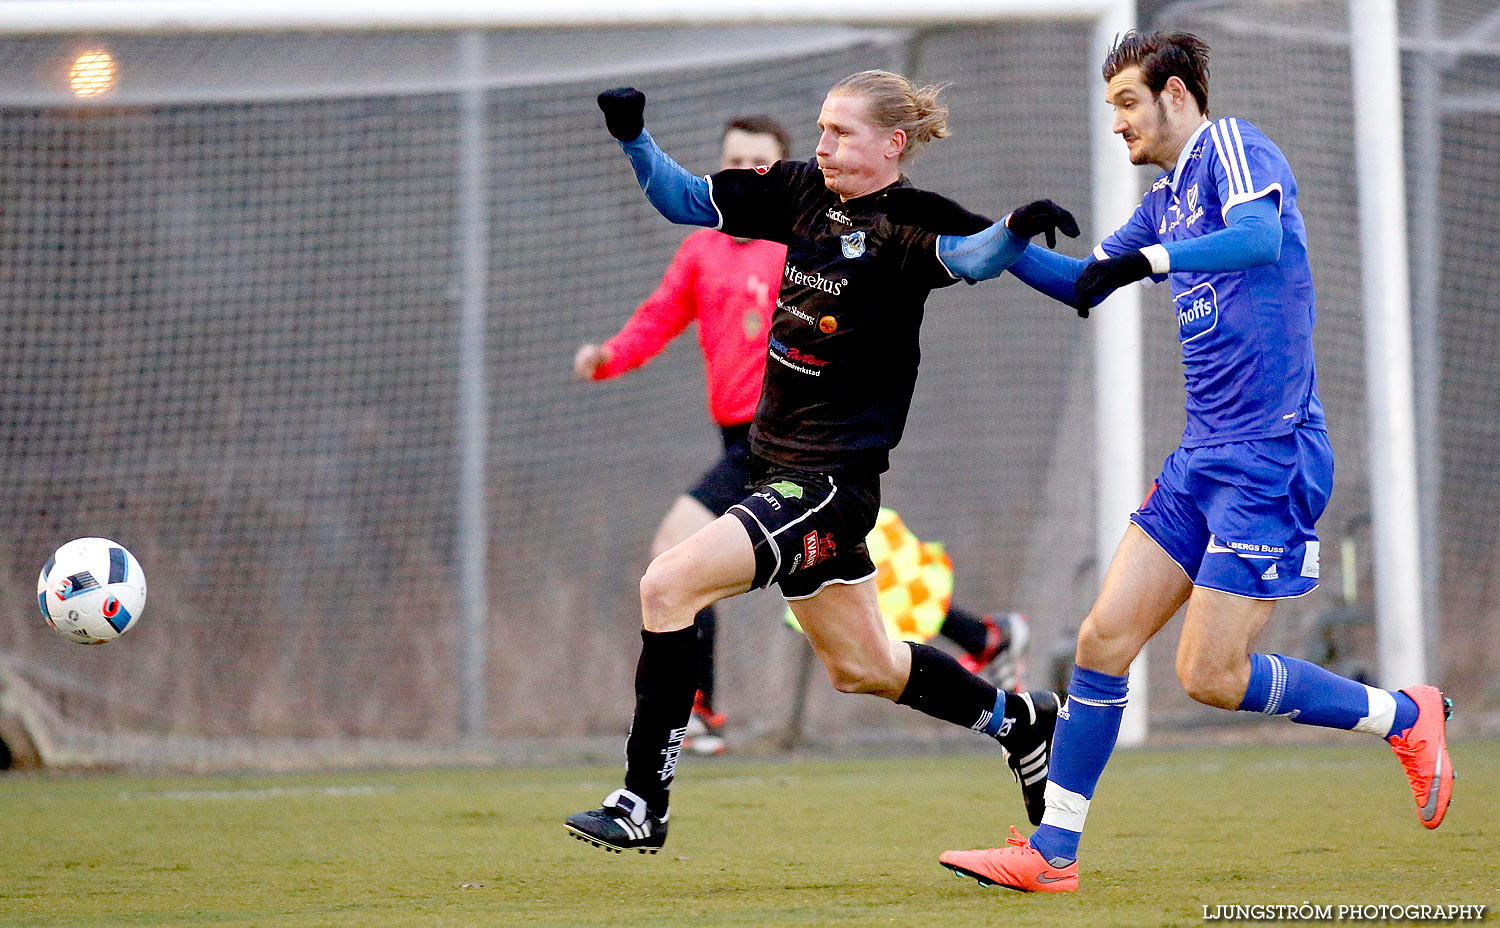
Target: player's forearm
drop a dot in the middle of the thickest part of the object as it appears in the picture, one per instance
(1048, 272)
(655, 323)
(981, 256)
(676, 194)
(1251, 239)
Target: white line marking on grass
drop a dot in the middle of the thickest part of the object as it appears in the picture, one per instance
(273, 792)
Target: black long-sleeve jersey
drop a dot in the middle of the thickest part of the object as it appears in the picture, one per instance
(843, 353)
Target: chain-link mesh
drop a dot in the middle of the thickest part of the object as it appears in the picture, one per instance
(231, 340)
(232, 303)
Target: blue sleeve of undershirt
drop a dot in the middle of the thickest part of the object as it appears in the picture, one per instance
(1049, 272)
(1252, 237)
(981, 256)
(678, 195)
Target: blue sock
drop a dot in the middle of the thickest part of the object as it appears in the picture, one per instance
(1406, 714)
(1087, 728)
(1310, 695)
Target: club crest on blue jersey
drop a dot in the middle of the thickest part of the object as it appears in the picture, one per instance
(853, 244)
(1192, 198)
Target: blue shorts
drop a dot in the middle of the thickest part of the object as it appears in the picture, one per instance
(1240, 517)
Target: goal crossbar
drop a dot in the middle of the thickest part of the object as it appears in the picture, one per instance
(35, 17)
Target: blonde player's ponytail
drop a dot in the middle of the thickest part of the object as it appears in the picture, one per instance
(896, 103)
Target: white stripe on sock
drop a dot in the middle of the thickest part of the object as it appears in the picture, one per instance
(1065, 808)
(1118, 703)
(1278, 685)
(1381, 715)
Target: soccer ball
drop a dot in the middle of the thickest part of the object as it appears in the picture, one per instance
(91, 590)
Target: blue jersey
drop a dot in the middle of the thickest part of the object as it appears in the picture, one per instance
(1247, 351)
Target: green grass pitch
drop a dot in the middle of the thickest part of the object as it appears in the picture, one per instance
(754, 842)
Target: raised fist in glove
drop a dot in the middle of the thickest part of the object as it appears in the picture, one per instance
(624, 109)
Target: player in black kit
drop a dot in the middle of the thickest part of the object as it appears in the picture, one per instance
(839, 378)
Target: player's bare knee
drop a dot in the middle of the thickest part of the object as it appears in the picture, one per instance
(849, 675)
(1209, 682)
(1103, 650)
(664, 595)
(846, 680)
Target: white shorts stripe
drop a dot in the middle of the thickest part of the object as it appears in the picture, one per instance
(770, 542)
(832, 492)
(827, 583)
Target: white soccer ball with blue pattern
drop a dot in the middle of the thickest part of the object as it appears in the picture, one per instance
(91, 590)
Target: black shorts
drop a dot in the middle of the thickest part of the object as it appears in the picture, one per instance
(809, 529)
(727, 482)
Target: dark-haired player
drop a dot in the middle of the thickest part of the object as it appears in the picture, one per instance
(841, 368)
(1228, 526)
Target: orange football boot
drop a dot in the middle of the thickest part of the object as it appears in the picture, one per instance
(1018, 865)
(1423, 752)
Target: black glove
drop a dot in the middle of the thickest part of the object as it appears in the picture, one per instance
(1101, 278)
(1044, 217)
(623, 112)
(911, 206)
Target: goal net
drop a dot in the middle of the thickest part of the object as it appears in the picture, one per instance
(235, 281)
(232, 314)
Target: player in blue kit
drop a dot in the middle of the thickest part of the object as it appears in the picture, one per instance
(1228, 526)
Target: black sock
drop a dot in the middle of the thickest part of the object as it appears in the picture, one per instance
(665, 679)
(706, 621)
(940, 687)
(966, 630)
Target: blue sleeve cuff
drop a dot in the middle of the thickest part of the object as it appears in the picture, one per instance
(1049, 272)
(981, 256)
(678, 195)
